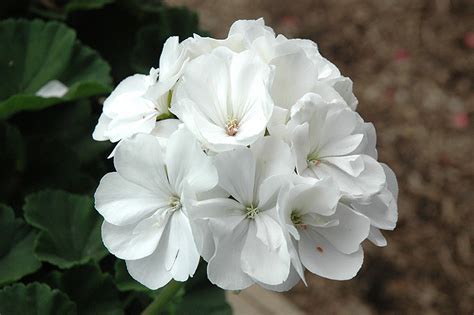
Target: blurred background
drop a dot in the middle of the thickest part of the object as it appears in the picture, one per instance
(412, 63)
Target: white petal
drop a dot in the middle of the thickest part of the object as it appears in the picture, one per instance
(250, 29)
(130, 112)
(301, 147)
(250, 80)
(357, 176)
(338, 124)
(353, 228)
(376, 237)
(392, 184)
(127, 242)
(328, 93)
(261, 262)
(186, 162)
(291, 78)
(224, 268)
(164, 129)
(139, 160)
(205, 84)
(236, 171)
(380, 209)
(101, 127)
(150, 271)
(182, 255)
(321, 258)
(141, 120)
(321, 197)
(273, 158)
(343, 86)
(292, 280)
(269, 231)
(217, 208)
(122, 202)
(340, 146)
(277, 126)
(203, 238)
(132, 86)
(172, 59)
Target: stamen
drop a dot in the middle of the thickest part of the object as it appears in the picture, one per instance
(297, 220)
(251, 212)
(175, 203)
(232, 126)
(313, 159)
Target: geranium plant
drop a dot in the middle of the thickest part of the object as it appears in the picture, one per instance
(213, 165)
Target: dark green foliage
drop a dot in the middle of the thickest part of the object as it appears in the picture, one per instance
(16, 247)
(70, 228)
(35, 298)
(39, 52)
(93, 292)
(52, 260)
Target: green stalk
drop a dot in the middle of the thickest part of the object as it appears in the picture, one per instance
(166, 294)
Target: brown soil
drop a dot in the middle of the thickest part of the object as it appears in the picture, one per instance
(412, 63)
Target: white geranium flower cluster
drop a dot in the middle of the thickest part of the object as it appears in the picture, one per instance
(247, 152)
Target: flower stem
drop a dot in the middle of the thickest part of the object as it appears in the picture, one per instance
(166, 294)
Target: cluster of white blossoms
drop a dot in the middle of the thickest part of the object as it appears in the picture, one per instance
(247, 152)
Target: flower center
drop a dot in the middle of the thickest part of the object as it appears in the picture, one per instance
(232, 126)
(313, 159)
(297, 219)
(251, 212)
(175, 203)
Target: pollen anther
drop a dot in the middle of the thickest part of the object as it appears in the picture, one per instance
(232, 126)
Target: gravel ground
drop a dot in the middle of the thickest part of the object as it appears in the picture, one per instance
(412, 63)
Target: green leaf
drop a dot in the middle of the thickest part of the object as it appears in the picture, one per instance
(70, 228)
(206, 301)
(16, 248)
(202, 297)
(39, 52)
(35, 298)
(12, 159)
(93, 291)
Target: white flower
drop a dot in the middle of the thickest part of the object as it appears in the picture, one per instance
(330, 140)
(249, 244)
(139, 100)
(144, 205)
(249, 30)
(223, 99)
(241, 35)
(382, 209)
(299, 67)
(328, 74)
(127, 111)
(326, 234)
(290, 180)
(163, 130)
